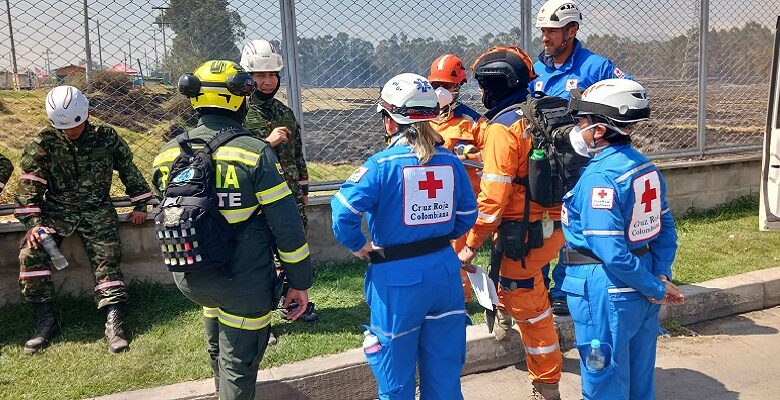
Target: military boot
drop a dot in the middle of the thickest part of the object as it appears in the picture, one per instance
(545, 391)
(503, 324)
(215, 369)
(115, 333)
(46, 327)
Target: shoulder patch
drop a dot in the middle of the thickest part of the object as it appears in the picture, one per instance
(619, 73)
(358, 174)
(508, 118)
(602, 198)
(280, 169)
(572, 84)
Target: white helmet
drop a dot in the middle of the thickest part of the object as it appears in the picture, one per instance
(409, 98)
(66, 107)
(261, 56)
(558, 13)
(619, 100)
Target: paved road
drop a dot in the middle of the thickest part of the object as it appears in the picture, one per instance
(732, 358)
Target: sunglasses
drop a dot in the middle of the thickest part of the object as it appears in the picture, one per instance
(446, 85)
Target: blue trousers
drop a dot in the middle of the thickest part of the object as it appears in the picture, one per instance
(603, 308)
(417, 313)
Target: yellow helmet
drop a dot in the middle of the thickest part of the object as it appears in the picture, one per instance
(218, 84)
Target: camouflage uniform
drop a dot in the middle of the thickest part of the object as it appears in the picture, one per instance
(65, 184)
(6, 168)
(262, 118)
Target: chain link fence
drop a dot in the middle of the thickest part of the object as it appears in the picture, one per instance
(133, 52)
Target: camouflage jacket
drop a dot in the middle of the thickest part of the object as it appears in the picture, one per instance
(6, 168)
(262, 118)
(64, 181)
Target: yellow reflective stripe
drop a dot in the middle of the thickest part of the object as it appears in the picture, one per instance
(238, 215)
(273, 194)
(166, 156)
(295, 256)
(245, 323)
(226, 153)
(210, 312)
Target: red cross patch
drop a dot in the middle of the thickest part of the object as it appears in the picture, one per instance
(645, 222)
(429, 192)
(602, 198)
(572, 84)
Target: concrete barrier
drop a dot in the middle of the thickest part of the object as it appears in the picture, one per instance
(700, 184)
(347, 376)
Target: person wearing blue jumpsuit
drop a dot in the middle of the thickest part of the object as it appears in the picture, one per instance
(562, 65)
(620, 244)
(413, 208)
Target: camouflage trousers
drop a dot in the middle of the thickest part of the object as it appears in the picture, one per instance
(101, 242)
(302, 213)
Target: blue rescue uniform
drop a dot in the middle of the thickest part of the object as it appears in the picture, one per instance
(582, 69)
(416, 303)
(618, 214)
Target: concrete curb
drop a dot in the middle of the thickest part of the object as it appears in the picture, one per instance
(347, 376)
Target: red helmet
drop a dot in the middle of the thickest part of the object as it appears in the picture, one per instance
(448, 68)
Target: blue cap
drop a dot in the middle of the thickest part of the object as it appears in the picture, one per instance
(595, 344)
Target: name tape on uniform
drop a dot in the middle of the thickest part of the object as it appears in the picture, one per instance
(602, 198)
(645, 220)
(428, 194)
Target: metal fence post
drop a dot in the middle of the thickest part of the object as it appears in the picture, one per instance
(87, 45)
(290, 43)
(13, 48)
(526, 25)
(704, 17)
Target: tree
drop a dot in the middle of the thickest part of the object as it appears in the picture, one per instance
(205, 30)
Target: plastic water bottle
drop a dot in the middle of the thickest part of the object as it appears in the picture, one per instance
(51, 248)
(370, 343)
(595, 360)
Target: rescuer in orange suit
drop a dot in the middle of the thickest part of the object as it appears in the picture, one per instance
(503, 74)
(456, 124)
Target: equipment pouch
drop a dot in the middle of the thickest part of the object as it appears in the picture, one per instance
(535, 235)
(511, 236)
(540, 180)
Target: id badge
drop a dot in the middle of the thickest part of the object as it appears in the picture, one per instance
(547, 225)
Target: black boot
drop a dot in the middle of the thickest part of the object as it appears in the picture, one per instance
(215, 369)
(115, 333)
(46, 327)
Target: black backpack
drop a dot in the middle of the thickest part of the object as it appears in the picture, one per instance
(192, 232)
(553, 166)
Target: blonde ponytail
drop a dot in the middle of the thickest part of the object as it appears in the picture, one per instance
(423, 139)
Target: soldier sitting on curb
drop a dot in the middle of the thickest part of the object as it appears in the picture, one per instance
(64, 189)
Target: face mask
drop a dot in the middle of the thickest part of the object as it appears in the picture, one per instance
(578, 142)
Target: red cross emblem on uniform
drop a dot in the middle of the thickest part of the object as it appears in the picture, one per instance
(431, 184)
(602, 193)
(648, 196)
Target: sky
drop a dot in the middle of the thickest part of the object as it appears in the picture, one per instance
(127, 26)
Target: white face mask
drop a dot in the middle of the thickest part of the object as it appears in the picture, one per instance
(578, 142)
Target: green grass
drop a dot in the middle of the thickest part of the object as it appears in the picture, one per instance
(168, 343)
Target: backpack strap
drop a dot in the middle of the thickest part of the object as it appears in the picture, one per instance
(504, 111)
(223, 136)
